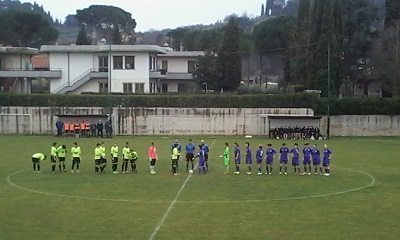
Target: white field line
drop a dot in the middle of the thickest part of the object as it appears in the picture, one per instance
(370, 184)
(155, 231)
(69, 196)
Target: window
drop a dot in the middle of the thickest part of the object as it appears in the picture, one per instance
(164, 65)
(130, 62)
(103, 87)
(181, 87)
(103, 64)
(128, 88)
(139, 87)
(117, 60)
(191, 66)
(164, 88)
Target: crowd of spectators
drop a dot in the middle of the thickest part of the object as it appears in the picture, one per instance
(295, 133)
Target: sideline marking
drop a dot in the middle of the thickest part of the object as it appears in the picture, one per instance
(154, 233)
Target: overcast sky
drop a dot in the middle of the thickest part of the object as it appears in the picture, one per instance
(160, 14)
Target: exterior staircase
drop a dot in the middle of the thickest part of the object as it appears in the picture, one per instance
(81, 80)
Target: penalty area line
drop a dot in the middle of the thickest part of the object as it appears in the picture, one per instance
(172, 204)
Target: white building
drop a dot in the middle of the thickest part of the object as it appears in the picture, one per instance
(119, 68)
(16, 71)
(178, 69)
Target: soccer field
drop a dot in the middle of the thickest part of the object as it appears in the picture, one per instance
(360, 200)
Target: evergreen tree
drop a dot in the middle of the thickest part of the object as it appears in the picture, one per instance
(83, 38)
(302, 42)
(229, 60)
(392, 12)
(268, 6)
(327, 30)
(116, 36)
(262, 10)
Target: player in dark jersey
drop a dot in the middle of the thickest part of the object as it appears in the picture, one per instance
(307, 159)
(249, 159)
(283, 158)
(316, 159)
(326, 161)
(295, 158)
(270, 152)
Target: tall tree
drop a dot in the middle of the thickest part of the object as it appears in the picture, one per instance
(262, 10)
(272, 38)
(327, 32)
(229, 60)
(392, 12)
(269, 4)
(116, 37)
(22, 28)
(302, 40)
(83, 37)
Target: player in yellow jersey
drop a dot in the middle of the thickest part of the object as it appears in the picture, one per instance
(114, 158)
(76, 157)
(36, 158)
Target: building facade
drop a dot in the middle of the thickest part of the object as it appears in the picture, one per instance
(17, 72)
(127, 69)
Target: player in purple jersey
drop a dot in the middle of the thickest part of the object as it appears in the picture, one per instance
(249, 159)
(307, 159)
(295, 158)
(259, 158)
(326, 161)
(270, 152)
(316, 159)
(237, 158)
(202, 159)
(283, 158)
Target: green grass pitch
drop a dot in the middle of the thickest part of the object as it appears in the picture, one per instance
(359, 201)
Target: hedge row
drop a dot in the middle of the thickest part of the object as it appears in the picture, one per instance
(203, 100)
(346, 106)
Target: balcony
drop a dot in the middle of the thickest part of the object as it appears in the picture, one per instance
(30, 73)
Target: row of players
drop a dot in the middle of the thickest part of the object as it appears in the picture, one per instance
(130, 156)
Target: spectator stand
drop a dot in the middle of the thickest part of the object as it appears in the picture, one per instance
(77, 129)
(294, 127)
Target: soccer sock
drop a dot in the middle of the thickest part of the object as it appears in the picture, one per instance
(53, 168)
(59, 167)
(298, 169)
(316, 169)
(309, 168)
(237, 168)
(270, 169)
(96, 169)
(38, 167)
(123, 166)
(134, 166)
(305, 169)
(187, 166)
(77, 166)
(280, 169)
(295, 170)
(73, 165)
(329, 171)
(285, 169)
(227, 169)
(320, 169)
(63, 166)
(249, 167)
(34, 167)
(126, 167)
(259, 169)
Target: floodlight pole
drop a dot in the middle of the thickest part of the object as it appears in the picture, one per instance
(329, 91)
